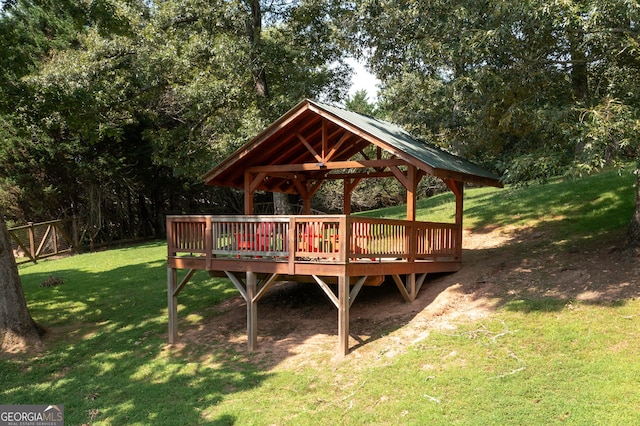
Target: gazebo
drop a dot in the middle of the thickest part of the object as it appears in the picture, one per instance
(311, 144)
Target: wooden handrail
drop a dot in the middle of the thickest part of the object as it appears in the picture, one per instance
(338, 238)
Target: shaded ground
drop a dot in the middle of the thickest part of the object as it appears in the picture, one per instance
(297, 325)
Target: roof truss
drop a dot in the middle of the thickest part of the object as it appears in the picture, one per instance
(313, 143)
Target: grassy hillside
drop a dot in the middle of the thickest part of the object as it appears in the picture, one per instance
(557, 343)
(586, 207)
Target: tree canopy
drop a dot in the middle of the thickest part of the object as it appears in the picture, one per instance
(111, 110)
(533, 89)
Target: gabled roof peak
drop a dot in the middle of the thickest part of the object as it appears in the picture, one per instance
(314, 133)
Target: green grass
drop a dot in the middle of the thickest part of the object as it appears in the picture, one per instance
(533, 361)
(588, 207)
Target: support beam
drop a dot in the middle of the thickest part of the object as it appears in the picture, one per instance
(457, 188)
(184, 282)
(238, 285)
(343, 314)
(325, 140)
(172, 304)
(349, 186)
(411, 286)
(307, 145)
(403, 290)
(338, 145)
(356, 289)
(248, 194)
(252, 292)
(327, 291)
(412, 189)
(331, 165)
(252, 311)
(265, 285)
(402, 178)
(306, 205)
(418, 284)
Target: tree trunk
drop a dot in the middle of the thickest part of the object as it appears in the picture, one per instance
(254, 32)
(579, 69)
(579, 75)
(633, 235)
(18, 331)
(281, 204)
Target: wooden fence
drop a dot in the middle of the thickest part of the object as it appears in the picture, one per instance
(40, 240)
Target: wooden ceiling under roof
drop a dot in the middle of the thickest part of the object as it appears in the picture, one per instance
(314, 142)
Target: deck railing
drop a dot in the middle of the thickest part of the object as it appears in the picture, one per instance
(335, 238)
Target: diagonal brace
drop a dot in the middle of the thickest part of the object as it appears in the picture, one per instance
(239, 285)
(327, 290)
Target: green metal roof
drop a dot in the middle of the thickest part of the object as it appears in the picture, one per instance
(403, 141)
(282, 144)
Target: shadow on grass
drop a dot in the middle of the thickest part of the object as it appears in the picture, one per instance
(584, 207)
(545, 304)
(107, 359)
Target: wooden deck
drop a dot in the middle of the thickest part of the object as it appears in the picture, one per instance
(256, 251)
(311, 245)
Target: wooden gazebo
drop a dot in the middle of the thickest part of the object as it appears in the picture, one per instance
(310, 144)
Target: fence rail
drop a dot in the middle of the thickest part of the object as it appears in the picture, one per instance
(40, 240)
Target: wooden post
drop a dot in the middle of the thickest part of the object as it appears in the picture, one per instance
(346, 198)
(413, 289)
(172, 304)
(306, 205)
(208, 242)
(32, 242)
(457, 188)
(349, 186)
(248, 194)
(252, 310)
(343, 314)
(412, 186)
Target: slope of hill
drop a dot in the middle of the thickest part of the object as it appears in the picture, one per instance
(539, 247)
(541, 326)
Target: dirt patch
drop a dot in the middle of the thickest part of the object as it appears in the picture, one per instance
(297, 324)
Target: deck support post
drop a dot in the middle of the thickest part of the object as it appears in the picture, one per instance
(411, 284)
(402, 287)
(343, 314)
(172, 304)
(252, 310)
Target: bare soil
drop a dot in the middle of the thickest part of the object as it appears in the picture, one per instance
(297, 324)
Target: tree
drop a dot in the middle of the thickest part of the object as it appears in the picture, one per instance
(531, 89)
(18, 331)
(234, 67)
(111, 111)
(76, 119)
(359, 103)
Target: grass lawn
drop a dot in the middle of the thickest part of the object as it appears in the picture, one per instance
(534, 360)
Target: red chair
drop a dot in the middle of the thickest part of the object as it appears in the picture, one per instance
(260, 241)
(311, 239)
(264, 236)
